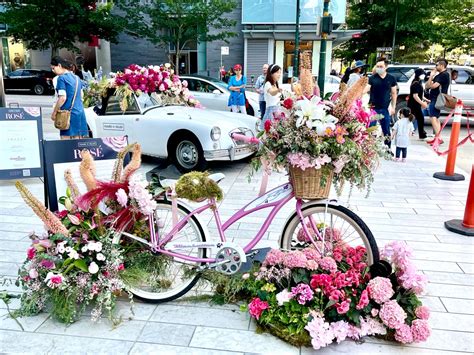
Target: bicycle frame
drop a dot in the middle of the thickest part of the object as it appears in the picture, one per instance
(274, 199)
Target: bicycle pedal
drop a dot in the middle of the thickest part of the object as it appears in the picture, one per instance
(254, 256)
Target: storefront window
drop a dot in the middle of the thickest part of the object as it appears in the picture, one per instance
(15, 56)
(289, 55)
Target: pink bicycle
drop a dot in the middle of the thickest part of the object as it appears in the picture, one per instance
(165, 262)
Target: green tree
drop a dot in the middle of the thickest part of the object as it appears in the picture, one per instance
(179, 22)
(56, 24)
(418, 24)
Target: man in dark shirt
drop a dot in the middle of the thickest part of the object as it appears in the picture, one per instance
(383, 95)
(438, 82)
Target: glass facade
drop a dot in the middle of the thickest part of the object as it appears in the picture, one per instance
(284, 11)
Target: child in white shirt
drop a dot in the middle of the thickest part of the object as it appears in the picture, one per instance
(401, 132)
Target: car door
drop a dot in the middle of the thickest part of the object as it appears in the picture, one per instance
(209, 95)
(463, 88)
(28, 80)
(13, 80)
(115, 122)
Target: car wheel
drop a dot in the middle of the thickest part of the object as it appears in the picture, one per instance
(188, 155)
(38, 89)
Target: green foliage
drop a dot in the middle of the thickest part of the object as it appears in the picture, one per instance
(196, 186)
(59, 24)
(179, 22)
(419, 24)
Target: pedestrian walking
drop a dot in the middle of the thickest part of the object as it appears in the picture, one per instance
(272, 93)
(438, 83)
(383, 95)
(401, 132)
(416, 101)
(237, 90)
(356, 73)
(68, 88)
(259, 84)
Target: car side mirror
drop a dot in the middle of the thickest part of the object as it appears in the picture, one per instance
(217, 92)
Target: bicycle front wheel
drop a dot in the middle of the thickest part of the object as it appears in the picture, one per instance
(340, 223)
(155, 277)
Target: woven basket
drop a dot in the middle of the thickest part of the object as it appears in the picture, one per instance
(311, 184)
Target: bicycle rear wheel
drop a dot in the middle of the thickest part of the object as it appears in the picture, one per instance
(155, 277)
(341, 225)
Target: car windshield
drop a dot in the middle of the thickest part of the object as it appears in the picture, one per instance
(217, 82)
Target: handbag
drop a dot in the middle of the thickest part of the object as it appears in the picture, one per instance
(62, 120)
(445, 102)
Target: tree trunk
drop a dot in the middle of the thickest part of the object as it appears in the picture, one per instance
(54, 52)
(176, 61)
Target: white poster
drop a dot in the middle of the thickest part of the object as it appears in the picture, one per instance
(19, 148)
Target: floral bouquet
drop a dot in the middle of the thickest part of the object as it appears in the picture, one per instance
(75, 264)
(311, 133)
(306, 298)
(160, 82)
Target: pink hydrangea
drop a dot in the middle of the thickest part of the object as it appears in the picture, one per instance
(311, 253)
(311, 265)
(257, 306)
(274, 257)
(380, 289)
(340, 330)
(283, 297)
(392, 315)
(403, 334)
(294, 259)
(320, 331)
(303, 293)
(422, 312)
(329, 264)
(420, 329)
(371, 326)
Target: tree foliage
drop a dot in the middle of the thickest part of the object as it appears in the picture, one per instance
(56, 24)
(179, 22)
(419, 24)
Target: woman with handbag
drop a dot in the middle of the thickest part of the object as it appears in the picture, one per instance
(68, 113)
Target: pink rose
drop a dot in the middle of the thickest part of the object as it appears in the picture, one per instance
(53, 280)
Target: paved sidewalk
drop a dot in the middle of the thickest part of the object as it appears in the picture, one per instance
(406, 204)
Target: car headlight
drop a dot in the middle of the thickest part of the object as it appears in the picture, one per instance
(215, 133)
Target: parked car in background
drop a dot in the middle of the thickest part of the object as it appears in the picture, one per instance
(463, 88)
(213, 94)
(37, 81)
(331, 84)
(190, 137)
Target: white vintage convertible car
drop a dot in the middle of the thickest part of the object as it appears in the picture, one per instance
(189, 137)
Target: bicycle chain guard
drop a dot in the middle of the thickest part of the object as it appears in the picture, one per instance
(228, 260)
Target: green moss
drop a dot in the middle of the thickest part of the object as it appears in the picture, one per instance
(196, 186)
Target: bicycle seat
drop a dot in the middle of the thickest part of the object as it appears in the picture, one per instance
(217, 177)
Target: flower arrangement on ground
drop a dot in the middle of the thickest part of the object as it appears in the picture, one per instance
(310, 299)
(74, 264)
(159, 82)
(312, 133)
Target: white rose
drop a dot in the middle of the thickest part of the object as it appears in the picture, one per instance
(100, 257)
(98, 246)
(93, 268)
(85, 248)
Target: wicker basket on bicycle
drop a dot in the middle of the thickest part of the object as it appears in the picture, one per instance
(311, 184)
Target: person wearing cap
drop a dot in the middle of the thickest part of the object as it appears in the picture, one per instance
(236, 87)
(356, 73)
